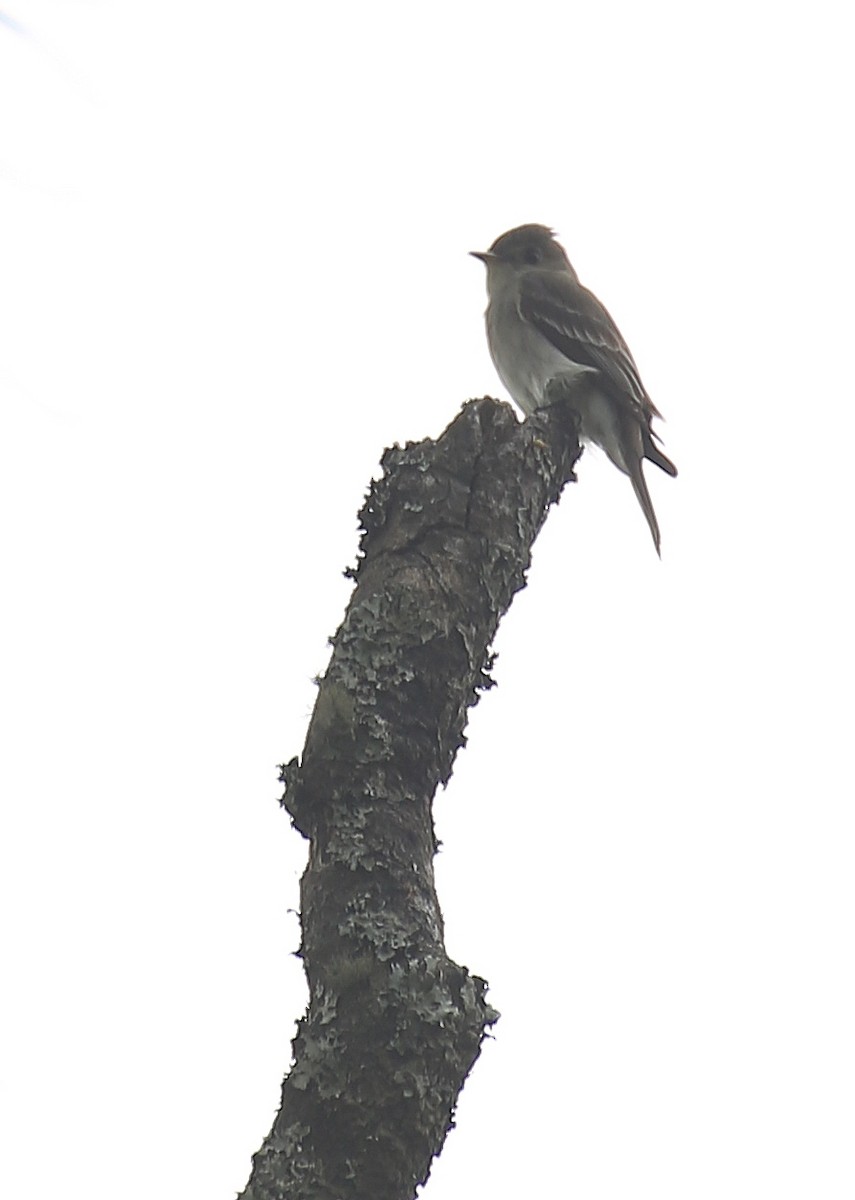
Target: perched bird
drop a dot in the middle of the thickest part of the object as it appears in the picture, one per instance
(542, 326)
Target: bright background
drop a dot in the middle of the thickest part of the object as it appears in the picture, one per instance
(232, 270)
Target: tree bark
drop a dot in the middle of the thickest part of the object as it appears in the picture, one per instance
(394, 1026)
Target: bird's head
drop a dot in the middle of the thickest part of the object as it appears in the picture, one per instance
(523, 248)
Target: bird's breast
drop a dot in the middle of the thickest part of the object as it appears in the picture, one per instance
(525, 360)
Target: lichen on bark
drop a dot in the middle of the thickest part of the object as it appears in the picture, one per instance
(393, 1026)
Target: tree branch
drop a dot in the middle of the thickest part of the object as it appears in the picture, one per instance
(394, 1026)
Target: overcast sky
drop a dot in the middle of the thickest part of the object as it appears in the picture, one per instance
(233, 269)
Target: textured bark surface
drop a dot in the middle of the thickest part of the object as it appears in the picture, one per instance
(393, 1026)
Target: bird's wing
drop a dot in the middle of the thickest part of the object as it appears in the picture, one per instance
(577, 324)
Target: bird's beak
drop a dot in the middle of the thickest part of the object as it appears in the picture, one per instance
(484, 255)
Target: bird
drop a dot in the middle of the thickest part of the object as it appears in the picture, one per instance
(543, 327)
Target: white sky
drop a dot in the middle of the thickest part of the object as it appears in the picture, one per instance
(233, 243)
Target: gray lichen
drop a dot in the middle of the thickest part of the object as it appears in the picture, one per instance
(393, 1025)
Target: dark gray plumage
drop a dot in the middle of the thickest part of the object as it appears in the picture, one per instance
(543, 325)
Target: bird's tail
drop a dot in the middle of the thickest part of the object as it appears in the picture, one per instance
(652, 451)
(639, 486)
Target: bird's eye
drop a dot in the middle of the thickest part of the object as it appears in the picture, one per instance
(532, 256)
